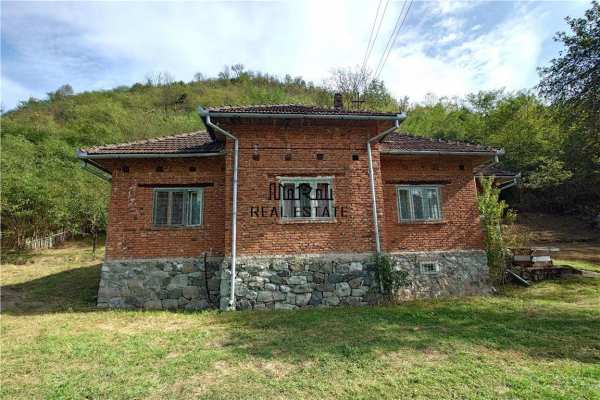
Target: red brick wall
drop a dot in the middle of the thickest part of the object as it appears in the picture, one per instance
(460, 228)
(337, 141)
(131, 234)
(130, 231)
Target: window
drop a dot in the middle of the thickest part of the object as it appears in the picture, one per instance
(306, 198)
(419, 203)
(177, 207)
(429, 267)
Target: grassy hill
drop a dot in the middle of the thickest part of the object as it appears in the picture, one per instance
(44, 189)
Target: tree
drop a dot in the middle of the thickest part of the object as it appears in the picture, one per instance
(358, 85)
(238, 70)
(350, 82)
(225, 75)
(574, 77)
(63, 91)
(157, 79)
(572, 84)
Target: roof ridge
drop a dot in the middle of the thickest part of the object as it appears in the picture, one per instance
(143, 141)
(293, 108)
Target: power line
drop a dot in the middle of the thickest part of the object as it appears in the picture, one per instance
(396, 24)
(372, 44)
(370, 37)
(392, 39)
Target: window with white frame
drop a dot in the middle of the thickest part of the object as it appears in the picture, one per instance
(306, 198)
(419, 203)
(429, 267)
(177, 206)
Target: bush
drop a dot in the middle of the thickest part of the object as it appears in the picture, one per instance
(491, 210)
(390, 280)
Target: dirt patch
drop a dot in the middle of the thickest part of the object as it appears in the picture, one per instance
(549, 228)
(223, 371)
(398, 359)
(576, 238)
(583, 251)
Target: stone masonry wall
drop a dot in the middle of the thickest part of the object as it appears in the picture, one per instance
(461, 273)
(160, 284)
(290, 282)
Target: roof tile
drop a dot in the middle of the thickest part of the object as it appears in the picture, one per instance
(296, 109)
(409, 143)
(195, 142)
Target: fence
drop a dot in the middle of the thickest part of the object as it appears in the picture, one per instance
(46, 242)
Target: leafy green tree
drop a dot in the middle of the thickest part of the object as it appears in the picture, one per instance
(572, 83)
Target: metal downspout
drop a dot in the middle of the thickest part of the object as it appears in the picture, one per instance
(233, 207)
(374, 139)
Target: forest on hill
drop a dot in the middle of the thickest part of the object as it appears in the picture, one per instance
(550, 134)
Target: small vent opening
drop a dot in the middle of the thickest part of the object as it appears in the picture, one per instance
(429, 267)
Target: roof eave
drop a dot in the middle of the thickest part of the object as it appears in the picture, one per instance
(86, 156)
(492, 153)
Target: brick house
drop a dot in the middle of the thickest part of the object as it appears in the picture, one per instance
(283, 207)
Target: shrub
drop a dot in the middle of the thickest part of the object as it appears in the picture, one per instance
(390, 280)
(491, 210)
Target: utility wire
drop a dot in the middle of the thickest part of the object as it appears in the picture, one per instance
(392, 39)
(385, 49)
(372, 44)
(370, 37)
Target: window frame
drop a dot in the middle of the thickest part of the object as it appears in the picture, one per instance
(411, 208)
(186, 206)
(313, 181)
(424, 272)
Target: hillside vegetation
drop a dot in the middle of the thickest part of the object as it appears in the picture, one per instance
(43, 187)
(553, 140)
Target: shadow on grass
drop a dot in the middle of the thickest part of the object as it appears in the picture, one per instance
(72, 290)
(487, 324)
(537, 323)
(17, 256)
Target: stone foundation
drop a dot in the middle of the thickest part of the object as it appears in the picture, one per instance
(461, 273)
(160, 284)
(290, 282)
(286, 282)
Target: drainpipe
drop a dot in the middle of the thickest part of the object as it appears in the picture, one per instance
(375, 139)
(512, 183)
(208, 122)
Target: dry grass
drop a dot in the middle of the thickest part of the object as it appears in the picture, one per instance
(576, 238)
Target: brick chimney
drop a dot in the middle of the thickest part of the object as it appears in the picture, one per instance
(337, 101)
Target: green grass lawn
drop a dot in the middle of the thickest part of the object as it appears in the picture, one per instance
(539, 342)
(579, 264)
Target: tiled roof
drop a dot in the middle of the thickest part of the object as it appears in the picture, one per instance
(195, 142)
(401, 142)
(296, 109)
(490, 170)
(201, 142)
